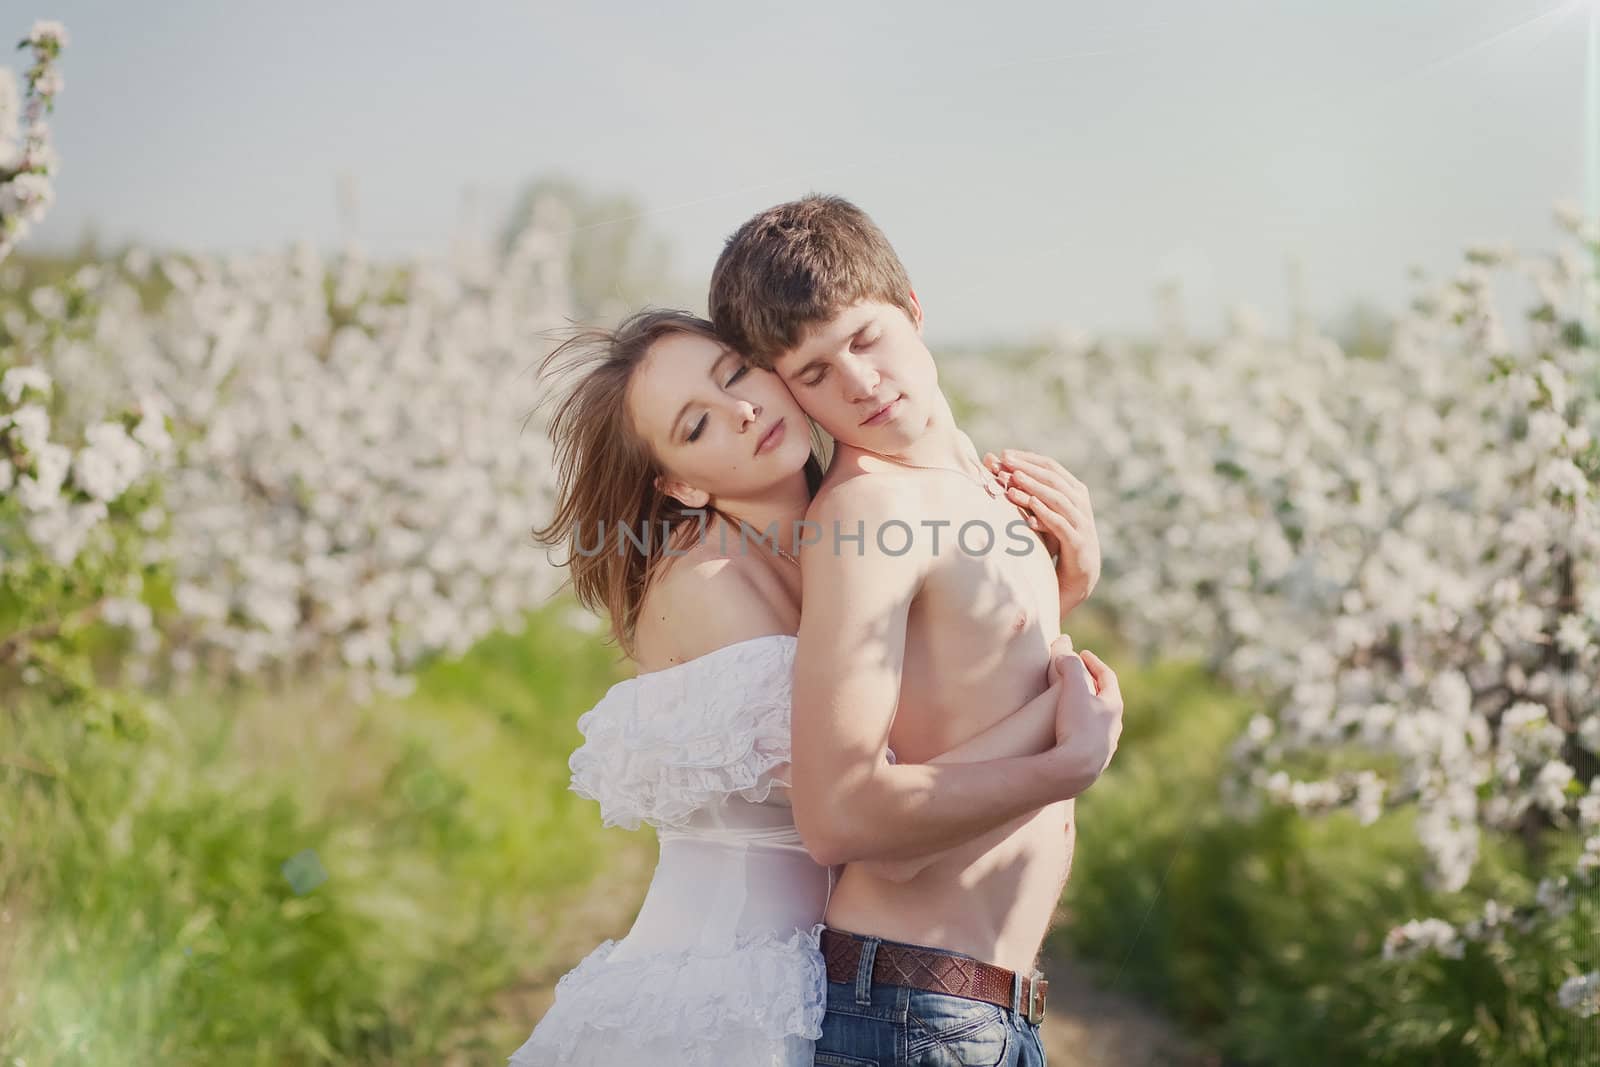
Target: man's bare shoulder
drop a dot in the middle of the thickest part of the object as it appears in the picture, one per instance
(853, 490)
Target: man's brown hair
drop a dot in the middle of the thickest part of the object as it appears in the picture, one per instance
(797, 265)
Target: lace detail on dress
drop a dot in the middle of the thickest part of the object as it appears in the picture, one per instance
(759, 1006)
(666, 744)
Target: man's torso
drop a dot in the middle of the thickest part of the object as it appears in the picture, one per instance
(977, 647)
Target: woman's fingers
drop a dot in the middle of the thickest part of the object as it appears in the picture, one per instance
(1042, 466)
(1074, 495)
(1071, 671)
(1060, 649)
(992, 464)
(1032, 491)
(1105, 679)
(1054, 491)
(1046, 472)
(1046, 519)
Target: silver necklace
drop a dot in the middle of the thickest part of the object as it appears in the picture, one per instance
(991, 485)
(779, 549)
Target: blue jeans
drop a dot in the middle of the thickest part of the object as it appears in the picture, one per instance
(879, 1025)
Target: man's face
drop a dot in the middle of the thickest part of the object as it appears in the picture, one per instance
(866, 377)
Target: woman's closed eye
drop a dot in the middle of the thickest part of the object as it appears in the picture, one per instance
(699, 427)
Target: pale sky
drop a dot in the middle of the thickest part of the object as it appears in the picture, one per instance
(1035, 164)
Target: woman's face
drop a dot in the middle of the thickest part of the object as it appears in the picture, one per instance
(721, 429)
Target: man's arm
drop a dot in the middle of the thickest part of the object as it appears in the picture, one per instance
(849, 802)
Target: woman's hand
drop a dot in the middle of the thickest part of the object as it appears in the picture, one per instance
(1088, 715)
(1057, 505)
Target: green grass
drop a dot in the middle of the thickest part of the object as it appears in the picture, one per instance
(148, 918)
(1264, 936)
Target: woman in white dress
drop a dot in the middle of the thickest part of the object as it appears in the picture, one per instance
(668, 447)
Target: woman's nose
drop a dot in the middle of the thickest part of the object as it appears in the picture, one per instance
(748, 413)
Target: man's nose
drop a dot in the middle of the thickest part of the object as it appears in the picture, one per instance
(860, 379)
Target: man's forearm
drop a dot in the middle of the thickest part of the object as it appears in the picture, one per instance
(904, 811)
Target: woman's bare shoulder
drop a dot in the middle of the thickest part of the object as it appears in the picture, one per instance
(701, 601)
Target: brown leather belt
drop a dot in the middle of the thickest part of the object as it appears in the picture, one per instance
(930, 969)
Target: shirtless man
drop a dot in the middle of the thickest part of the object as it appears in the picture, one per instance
(925, 593)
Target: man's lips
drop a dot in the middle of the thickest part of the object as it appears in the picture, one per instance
(882, 413)
(771, 438)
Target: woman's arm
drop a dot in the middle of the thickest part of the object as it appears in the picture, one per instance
(1027, 731)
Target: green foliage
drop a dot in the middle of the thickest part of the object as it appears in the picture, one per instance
(164, 902)
(1265, 935)
(51, 641)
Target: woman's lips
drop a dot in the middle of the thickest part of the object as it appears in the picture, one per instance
(884, 412)
(772, 438)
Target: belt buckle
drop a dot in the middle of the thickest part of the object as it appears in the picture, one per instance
(1037, 988)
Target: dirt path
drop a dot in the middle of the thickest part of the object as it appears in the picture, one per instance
(1090, 1027)
(1087, 1026)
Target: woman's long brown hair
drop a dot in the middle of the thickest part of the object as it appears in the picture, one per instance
(606, 473)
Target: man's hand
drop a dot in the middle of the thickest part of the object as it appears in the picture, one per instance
(1058, 507)
(1088, 711)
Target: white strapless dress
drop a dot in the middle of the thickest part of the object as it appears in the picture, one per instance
(721, 967)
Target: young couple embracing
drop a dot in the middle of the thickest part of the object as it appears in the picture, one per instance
(859, 749)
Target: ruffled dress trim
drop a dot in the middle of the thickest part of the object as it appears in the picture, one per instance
(668, 743)
(758, 1006)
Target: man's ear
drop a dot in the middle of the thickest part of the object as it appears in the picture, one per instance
(916, 311)
(683, 493)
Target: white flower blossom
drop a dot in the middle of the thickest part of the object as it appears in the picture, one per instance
(1564, 478)
(1403, 553)
(18, 380)
(1589, 733)
(127, 613)
(1549, 788)
(47, 32)
(29, 425)
(111, 462)
(1554, 895)
(63, 531)
(1573, 634)
(1581, 995)
(1420, 936)
(40, 490)
(151, 433)
(1589, 804)
(25, 189)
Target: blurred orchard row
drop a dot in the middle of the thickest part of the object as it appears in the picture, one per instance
(1399, 550)
(269, 465)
